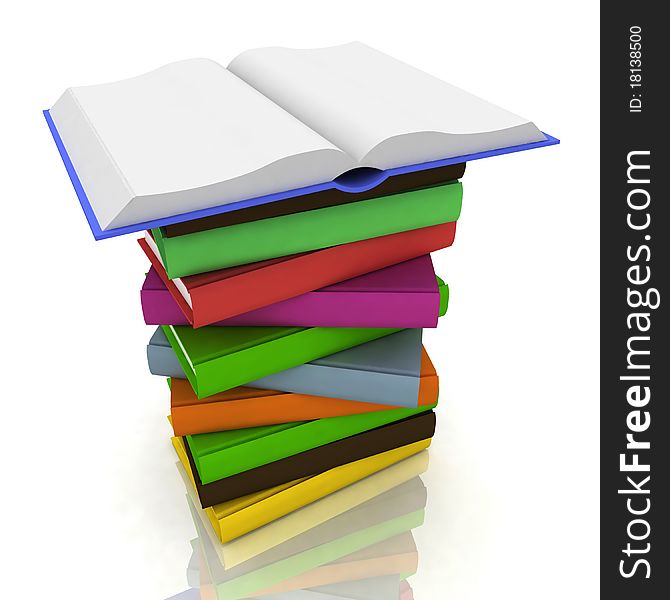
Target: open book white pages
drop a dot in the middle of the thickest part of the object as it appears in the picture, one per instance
(382, 112)
(187, 136)
(193, 135)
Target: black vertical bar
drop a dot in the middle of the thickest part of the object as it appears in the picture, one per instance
(635, 335)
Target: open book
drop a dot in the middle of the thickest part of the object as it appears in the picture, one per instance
(194, 138)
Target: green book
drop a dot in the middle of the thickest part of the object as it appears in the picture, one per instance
(216, 359)
(244, 243)
(224, 453)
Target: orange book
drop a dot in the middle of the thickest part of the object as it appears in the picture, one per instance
(243, 407)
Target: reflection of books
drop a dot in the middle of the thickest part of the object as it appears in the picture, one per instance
(374, 588)
(385, 587)
(370, 539)
(406, 592)
(396, 555)
(406, 499)
(381, 549)
(190, 594)
(376, 498)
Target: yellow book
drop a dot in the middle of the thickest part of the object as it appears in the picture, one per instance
(307, 518)
(237, 503)
(234, 518)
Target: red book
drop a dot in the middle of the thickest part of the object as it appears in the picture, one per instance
(217, 295)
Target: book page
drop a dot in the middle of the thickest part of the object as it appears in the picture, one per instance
(190, 125)
(381, 111)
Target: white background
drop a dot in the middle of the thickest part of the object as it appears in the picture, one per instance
(92, 505)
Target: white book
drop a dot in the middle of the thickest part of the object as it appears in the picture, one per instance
(195, 135)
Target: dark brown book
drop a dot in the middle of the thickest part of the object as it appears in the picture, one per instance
(317, 460)
(395, 184)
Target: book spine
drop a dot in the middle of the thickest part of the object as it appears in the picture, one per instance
(356, 384)
(206, 417)
(160, 308)
(191, 373)
(238, 368)
(307, 231)
(290, 278)
(346, 309)
(291, 499)
(229, 461)
(171, 287)
(323, 459)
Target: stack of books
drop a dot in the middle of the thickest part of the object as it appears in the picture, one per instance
(290, 204)
(280, 397)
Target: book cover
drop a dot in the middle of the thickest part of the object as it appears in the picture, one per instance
(308, 462)
(244, 243)
(224, 453)
(404, 295)
(239, 136)
(234, 518)
(383, 371)
(251, 407)
(215, 359)
(390, 492)
(217, 295)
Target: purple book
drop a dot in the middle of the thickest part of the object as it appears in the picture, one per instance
(404, 295)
